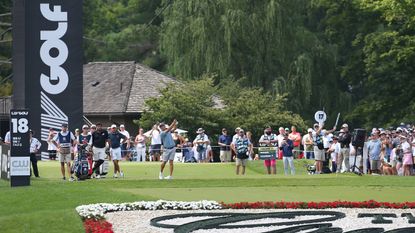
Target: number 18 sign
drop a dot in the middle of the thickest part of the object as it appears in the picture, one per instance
(20, 147)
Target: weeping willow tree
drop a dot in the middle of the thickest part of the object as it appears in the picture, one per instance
(265, 43)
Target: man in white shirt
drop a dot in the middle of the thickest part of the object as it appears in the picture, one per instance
(125, 147)
(155, 146)
(34, 148)
(63, 141)
(7, 138)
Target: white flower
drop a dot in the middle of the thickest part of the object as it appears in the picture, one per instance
(97, 211)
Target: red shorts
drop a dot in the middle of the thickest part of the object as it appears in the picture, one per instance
(269, 162)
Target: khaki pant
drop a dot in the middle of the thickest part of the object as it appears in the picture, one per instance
(225, 156)
(343, 155)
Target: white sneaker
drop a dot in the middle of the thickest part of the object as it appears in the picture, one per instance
(71, 179)
(161, 176)
(98, 177)
(121, 174)
(169, 177)
(115, 176)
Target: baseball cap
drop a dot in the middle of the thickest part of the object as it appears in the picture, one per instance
(241, 130)
(309, 130)
(65, 125)
(114, 126)
(122, 126)
(85, 127)
(93, 126)
(345, 126)
(316, 125)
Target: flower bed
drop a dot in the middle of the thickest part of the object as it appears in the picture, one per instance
(94, 219)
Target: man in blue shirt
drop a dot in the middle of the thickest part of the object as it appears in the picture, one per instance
(225, 146)
(115, 148)
(169, 147)
(287, 154)
(374, 147)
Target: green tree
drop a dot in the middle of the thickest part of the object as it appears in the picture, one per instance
(267, 44)
(122, 30)
(193, 105)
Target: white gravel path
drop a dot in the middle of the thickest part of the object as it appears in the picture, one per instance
(139, 221)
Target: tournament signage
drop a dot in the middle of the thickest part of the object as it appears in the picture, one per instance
(267, 152)
(47, 63)
(20, 148)
(320, 116)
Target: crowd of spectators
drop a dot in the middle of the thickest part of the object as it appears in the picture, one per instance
(383, 151)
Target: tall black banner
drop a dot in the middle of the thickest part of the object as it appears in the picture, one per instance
(47, 63)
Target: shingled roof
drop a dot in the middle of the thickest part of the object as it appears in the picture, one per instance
(118, 88)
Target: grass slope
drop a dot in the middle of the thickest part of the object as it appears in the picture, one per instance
(48, 205)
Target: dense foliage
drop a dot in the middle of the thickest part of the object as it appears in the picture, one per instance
(351, 56)
(196, 104)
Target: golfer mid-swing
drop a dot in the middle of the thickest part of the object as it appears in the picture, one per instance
(169, 147)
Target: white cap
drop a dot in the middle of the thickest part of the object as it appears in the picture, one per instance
(85, 127)
(93, 126)
(309, 130)
(122, 126)
(113, 126)
(345, 126)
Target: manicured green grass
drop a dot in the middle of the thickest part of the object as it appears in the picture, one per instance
(48, 205)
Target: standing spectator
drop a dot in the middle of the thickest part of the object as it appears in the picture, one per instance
(318, 147)
(234, 137)
(125, 146)
(7, 138)
(140, 142)
(344, 139)
(34, 148)
(242, 146)
(225, 142)
(308, 144)
(99, 139)
(287, 154)
(84, 137)
(334, 151)
(201, 142)
(92, 129)
(51, 146)
(169, 149)
(280, 137)
(374, 148)
(74, 148)
(407, 156)
(296, 138)
(155, 146)
(178, 141)
(116, 139)
(251, 151)
(269, 140)
(63, 142)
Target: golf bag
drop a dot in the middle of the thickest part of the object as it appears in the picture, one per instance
(82, 166)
